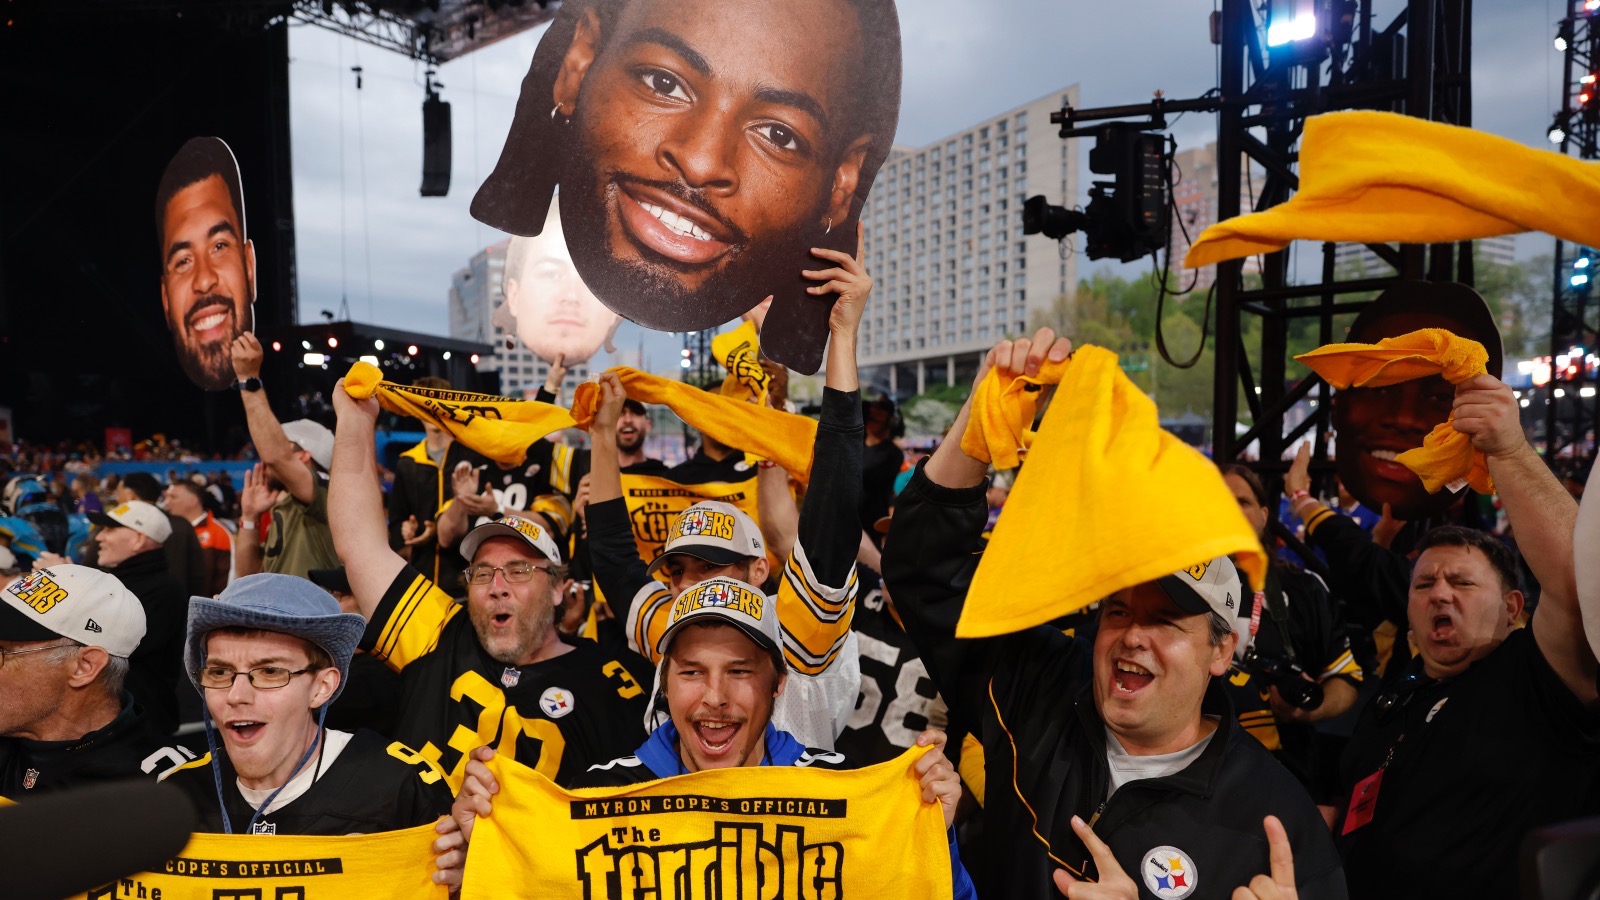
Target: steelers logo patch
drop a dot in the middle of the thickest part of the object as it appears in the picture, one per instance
(1169, 873)
(556, 702)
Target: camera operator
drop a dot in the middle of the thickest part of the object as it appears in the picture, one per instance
(1301, 654)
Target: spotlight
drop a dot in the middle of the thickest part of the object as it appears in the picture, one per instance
(1561, 44)
(474, 359)
(1557, 134)
(1582, 263)
(333, 342)
(684, 362)
(378, 344)
(1579, 280)
(276, 346)
(313, 359)
(370, 360)
(447, 354)
(411, 350)
(305, 345)
(1289, 21)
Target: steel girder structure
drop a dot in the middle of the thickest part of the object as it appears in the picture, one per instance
(1572, 413)
(1419, 65)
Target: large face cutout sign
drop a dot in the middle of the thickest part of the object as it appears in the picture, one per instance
(208, 265)
(702, 147)
(1376, 424)
(552, 311)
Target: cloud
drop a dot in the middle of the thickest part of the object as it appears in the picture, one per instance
(963, 62)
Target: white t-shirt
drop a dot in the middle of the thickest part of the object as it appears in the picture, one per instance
(1126, 767)
(333, 744)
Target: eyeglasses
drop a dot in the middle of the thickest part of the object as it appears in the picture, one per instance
(261, 677)
(516, 572)
(5, 654)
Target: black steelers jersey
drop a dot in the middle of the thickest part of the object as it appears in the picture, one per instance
(374, 785)
(898, 699)
(558, 717)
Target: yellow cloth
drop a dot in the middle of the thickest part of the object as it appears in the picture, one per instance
(388, 864)
(1104, 484)
(1376, 176)
(1001, 423)
(763, 832)
(498, 427)
(783, 437)
(739, 351)
(1446, 455)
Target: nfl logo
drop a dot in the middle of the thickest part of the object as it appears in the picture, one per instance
(29, 779)
(264, 828)
(510, 677)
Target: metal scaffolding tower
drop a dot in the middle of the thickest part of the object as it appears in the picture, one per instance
(1572, 413)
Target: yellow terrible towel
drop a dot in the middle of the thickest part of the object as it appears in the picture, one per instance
(761, 831)
(783, 437)
(1377, 176)
(500, 428)
(1446, 455)
(1132, 502)
(1000, 425)
(739, 351)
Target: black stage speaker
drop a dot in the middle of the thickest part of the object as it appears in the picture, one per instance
(435, 147)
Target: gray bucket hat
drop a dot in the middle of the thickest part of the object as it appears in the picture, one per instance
(281, 603)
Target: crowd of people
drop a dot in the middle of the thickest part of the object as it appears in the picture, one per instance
(329, 650)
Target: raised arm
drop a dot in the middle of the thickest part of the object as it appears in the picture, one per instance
(266, 433)
(934, 546)
(828, 532)
(620, 574)
(355, 502)
(1542, 516)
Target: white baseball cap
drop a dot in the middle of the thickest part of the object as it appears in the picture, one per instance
(716, 532)
(526, 530)
(312, 437)
(1211, 586)
(731, 601)
(142, 517)
(77, 602)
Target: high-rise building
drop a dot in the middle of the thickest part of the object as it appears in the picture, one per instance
(1359, 259)
(952, 269)
(1195, 196)
(477, 294)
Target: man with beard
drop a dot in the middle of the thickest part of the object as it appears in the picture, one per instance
(500, 674)
(208, 266)
(703, 146)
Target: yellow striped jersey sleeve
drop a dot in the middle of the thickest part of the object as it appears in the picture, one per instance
(649, 613)
(814, 618)
(409, 619)
(1344, 666)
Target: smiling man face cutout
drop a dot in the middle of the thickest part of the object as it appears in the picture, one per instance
(702, 148)
(1374, 425)
(208, 266)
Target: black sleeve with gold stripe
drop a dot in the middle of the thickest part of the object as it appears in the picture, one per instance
(408, 621)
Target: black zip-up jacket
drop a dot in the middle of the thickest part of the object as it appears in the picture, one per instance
(156, 665)
(130, 746)
(1028, 696)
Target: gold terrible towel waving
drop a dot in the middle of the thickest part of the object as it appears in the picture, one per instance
(1378, 177)
(1446, 455)
(1127, 500)
(500, 428)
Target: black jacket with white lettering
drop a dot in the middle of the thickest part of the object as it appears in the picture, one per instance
(1028, 696)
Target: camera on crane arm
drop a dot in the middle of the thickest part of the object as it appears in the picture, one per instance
(1128, 216)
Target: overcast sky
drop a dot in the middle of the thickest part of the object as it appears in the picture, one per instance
(964, 60)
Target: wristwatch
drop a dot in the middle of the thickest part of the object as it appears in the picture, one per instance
(248, 384)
